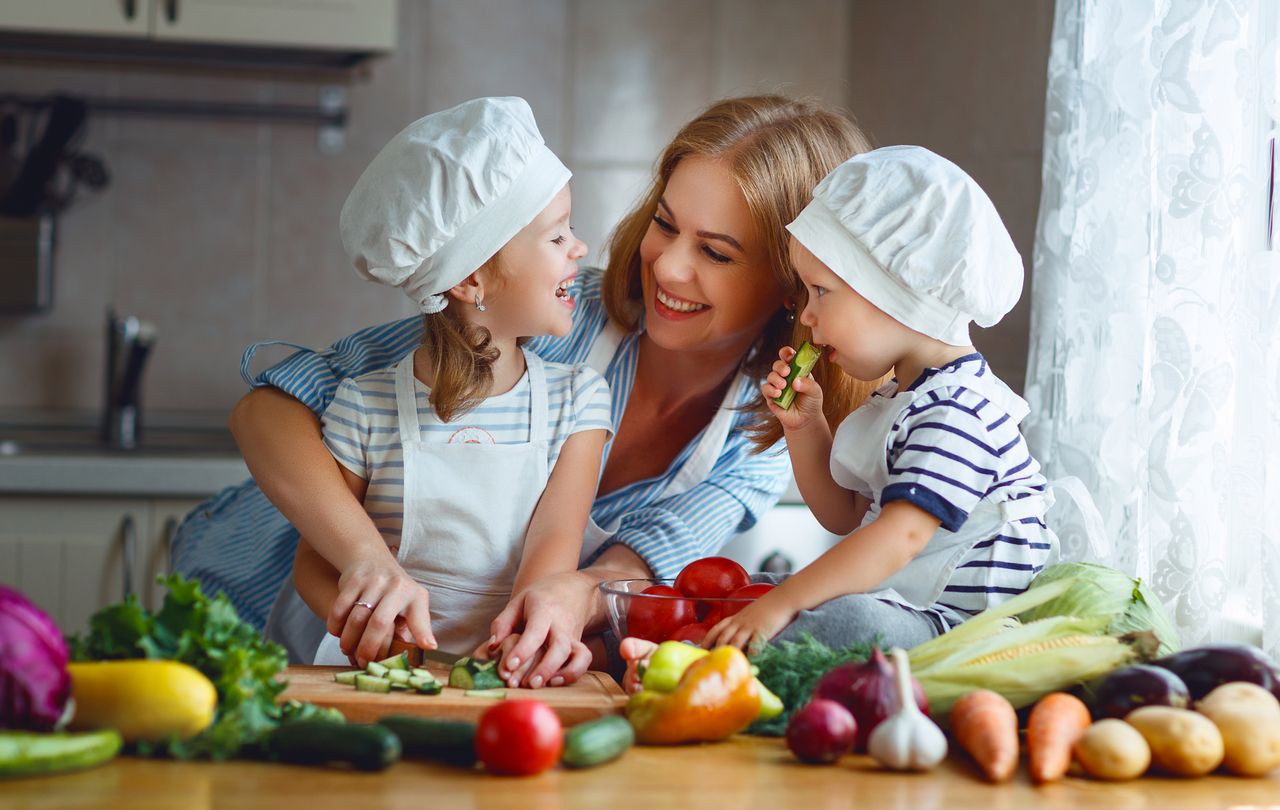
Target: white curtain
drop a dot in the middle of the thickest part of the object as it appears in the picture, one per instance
(1154, 369)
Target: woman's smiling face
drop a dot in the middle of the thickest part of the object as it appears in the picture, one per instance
(705, 276)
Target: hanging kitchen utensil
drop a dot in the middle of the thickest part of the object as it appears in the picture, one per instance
(66, 117)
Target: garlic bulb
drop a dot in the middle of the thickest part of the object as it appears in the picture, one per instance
(907, 740)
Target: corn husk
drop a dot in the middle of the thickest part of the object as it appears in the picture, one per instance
(1023, 661)
(1127, 604)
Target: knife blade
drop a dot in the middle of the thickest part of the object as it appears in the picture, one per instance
(417, 655)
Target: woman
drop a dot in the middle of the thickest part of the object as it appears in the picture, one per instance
(698, 296)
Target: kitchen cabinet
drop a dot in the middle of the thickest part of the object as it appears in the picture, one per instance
(73, 556)
(359, 25)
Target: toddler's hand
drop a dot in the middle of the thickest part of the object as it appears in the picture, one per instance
(750, 628)
(807, 405)
(636, 652)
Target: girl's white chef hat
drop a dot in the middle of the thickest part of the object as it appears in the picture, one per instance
(917, 237)
(446, 193)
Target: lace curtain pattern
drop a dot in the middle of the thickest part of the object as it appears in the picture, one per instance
(1154, 368)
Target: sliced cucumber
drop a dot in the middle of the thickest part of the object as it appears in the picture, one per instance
(400, 661)
(418, 672)
(400, 676)
(467, 673)
(801, 366)
(347, 678)
(432, 688)
(377, 670)
(496, 694)
(372, 683)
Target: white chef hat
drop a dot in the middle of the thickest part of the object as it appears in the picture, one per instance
(446, 193)
(917, 237)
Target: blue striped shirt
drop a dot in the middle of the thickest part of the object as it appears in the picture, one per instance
(951, 449)
(361, 428)
(239, 543)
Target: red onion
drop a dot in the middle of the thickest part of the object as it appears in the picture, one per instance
(821, 731)
(867, 690)
(34, 683)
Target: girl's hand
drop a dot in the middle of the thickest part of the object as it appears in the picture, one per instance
(401, 608)
(750, 628)
(551, 614)
(807, 405)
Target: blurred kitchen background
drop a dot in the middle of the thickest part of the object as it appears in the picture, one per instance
(215, 232)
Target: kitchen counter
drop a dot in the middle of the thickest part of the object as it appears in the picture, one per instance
(189, 454)
(744, 772)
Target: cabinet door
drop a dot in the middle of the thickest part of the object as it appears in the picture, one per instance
(72, 556)
(368, 25)
(155, 558)
(129, 18)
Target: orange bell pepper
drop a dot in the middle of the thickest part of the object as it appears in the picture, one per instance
(716, 697)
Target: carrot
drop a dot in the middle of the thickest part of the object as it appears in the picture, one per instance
(986, 726)
(1055, 726)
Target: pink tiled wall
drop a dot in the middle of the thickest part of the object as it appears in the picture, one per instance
(224, 233)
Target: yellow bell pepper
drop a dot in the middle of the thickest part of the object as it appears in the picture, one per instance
(672, 658)
(716, 697)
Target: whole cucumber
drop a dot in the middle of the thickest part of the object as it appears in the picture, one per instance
(367, 747)
(597, 742)
(448, 741)
(29, 753)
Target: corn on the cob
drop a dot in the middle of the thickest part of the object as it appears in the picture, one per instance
(1023, 662)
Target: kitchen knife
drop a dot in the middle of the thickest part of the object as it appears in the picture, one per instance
(417, 654)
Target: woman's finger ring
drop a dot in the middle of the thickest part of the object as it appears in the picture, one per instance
(365, 604)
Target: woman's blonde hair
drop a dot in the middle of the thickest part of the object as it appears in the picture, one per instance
(777, 149)
(461, 354)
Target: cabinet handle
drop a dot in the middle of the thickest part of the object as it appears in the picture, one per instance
(130, 9)
(129, 533)
(171, 10)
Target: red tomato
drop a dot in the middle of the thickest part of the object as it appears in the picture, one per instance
(693, 633)
(519, 737)
(753, 591)
(656, 619)
(711, 578)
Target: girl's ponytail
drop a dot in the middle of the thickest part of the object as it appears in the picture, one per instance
(462, 355)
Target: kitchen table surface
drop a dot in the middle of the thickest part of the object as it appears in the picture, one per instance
(745, 772)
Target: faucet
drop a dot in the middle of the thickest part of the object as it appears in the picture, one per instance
(129, 341)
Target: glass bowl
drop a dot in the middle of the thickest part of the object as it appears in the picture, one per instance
(659, 615)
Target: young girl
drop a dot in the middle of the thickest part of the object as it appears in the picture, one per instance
(477, 461)
(930, 479)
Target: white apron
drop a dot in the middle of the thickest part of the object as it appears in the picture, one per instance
(467, 508)
(695, 469)
(860, 464)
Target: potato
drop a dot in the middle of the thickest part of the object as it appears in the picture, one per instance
(1113, 750)
(1182, 742)
(1249, 718)
(1240, 693)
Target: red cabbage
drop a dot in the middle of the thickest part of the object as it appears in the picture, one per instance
(34, 683)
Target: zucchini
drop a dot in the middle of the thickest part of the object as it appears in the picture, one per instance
(365, 746)
(369, 683)
(449, 741)
(347, 678)
(467, 673)
(801, 366)
(30, 753)
(597, 742)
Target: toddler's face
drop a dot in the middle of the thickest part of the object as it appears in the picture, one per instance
(862, 339)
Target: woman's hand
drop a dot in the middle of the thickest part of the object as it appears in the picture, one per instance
(551, 615)
(401, 608)
(807, 405)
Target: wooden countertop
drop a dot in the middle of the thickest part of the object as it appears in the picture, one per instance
(745, 772)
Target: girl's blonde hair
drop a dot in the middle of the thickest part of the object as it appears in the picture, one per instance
(777, 149)
(461, 354)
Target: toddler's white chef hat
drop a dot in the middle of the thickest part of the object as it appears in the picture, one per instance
(917, 237)
(446, 193)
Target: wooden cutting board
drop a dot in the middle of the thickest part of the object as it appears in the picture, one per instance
(595, 695)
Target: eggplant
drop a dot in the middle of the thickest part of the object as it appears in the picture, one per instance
(1204, 668)
(1124, 690)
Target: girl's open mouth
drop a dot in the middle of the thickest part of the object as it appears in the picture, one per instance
(564, 290)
